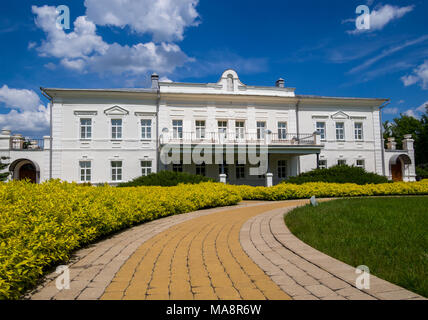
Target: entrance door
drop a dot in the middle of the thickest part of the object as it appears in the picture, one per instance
(397, 172)
(28, 171)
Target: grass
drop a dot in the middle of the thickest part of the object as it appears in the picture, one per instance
(389, 235)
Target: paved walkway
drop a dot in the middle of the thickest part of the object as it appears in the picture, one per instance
(303, 272)
(201, 256)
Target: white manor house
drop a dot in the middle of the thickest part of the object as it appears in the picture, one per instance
(116, 135)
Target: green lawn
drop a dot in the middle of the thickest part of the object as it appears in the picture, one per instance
(389, 235)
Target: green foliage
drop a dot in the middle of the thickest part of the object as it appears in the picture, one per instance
(388, 235)
(3, 166)
(41, 225)
(339, 174)
(418, 128)
(422, 172)
(166, 179)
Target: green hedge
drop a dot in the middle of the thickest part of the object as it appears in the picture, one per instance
(339, 174)
(166, 179)
(41, 225)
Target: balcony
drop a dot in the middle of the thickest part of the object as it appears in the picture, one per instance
(19, 143)
(274, 139)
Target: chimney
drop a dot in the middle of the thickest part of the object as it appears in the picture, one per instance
(5, 132)
(155, 81)
(280, 83)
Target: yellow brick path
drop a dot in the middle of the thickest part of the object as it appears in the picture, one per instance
(199, 259)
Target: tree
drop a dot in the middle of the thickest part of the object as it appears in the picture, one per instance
(418, 128)
(3, 166)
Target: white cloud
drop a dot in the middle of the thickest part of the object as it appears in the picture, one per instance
(27, 122)
(409, 80)
(31, 45)
(380, 17)
(420, 75)
(80, 43)
(83, 50)
(416, 113)
(390, 111)
(165, 79)
(164, 19)
(388, 52)
(19, 99)
(422, 107)
(28, 115)
(411, 113)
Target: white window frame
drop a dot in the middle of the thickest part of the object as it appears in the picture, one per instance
(340, 137)
(146, 167)
(200, 129)
(116, 134)
(240, 131)
(341, 160)
(146, 129)
(282, 130)
(261, 127)
(360, 166)
(84, 133)
(221, 129)
(85, 172)
(323, 166)
(321, 129)
(359, 132)
(116, 171)
(177, 129)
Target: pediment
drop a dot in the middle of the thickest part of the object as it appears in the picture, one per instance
(340, 116)
(116, 111)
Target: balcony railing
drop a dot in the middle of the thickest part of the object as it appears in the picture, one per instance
(245, 138)
(26, 144)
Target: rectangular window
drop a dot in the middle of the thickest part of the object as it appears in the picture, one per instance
(322, 164)
(116, 129)
(340, 131)
(200, 129)
(359, 131)
(116, 170)
(282, 130)
(341, 162)
(361, 164)
(240, 127)
(85, 171)
(146, 129)
(240, 171)
(146, 168)
(321, 129)
(261, 127)
(201, 169)
(282, 169)
(222, 129)
(85, 128)
(177, 167)
(177, 129)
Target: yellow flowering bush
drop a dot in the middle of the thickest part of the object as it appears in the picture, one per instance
(41, 225)
(286, 191)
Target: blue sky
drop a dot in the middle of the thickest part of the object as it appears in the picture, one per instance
(313, 45)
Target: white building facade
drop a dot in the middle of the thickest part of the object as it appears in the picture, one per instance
(115, 135)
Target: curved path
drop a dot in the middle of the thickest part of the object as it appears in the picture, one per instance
(242, 252)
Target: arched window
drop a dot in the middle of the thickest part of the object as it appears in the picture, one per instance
(230, 85)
